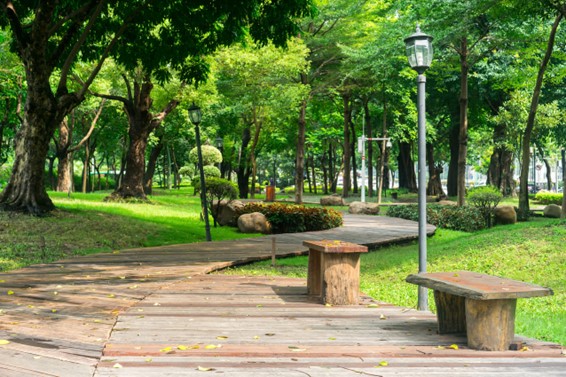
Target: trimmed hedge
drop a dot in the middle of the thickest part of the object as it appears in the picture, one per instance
(466, 218)
(285, 218)
(545, 197)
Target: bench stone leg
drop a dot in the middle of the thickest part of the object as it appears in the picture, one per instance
(314, 275)
(341, 282)
(451, 313)
(490, 324)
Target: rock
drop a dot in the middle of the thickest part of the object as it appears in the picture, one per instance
(332, 200)
(227, 214)
(254, 222)
(363, 208)
(552, 210)
(505, 215)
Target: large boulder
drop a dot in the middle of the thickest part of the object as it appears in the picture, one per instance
(254, 222)
(505, 215)
(552, 210)
(361, 208)
(227, 214)
(332, 200)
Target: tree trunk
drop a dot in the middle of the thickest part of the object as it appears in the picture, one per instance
(242, 174)
(308, 174)
(346, 156)
(86, 168)
(452, 185)
(547, 167)
(407, 176)
(300, 157)
(383, 153)
(353, 145)
(563, 213)
(434, 187)
(151, 165)
(524, 179)
(369, 160)
(64, 174)
(313, 174)
(463, 135)
(25, 191)
(257, 121)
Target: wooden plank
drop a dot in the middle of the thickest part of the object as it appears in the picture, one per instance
(478, 286)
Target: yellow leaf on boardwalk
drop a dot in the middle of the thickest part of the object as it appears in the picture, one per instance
(166, 349)
(453, 346)
(4, 341)
(383, 363)
(221, 337)
(182, 348)
(10, 292)
(203, 369)
(117, 366)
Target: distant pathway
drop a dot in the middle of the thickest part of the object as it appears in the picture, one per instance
(58, 317)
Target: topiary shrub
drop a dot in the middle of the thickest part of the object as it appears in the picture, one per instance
(218, 189)
(546, 197)
(485, 198)
(210, 155)
(209, 172)
(466, 218)
(286, 218)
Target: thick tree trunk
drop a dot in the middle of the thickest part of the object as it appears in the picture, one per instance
(463, 135)
(500, 171)
(346, 180)
(407, 176)
(64, 179)
(25, 191)
(523, 213)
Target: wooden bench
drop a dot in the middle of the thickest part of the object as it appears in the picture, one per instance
(334, 271)
(481, 306)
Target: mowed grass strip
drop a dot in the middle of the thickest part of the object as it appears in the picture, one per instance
(532, 252)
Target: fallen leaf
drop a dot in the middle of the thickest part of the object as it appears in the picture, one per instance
(53, 310)
(117, 366)
(331, 338)
(122, 277)
(2, 281)
(116, 252)
(211, 346)
(148, 360)
(55, 293)
(10, 292)
(259, 305)
(381, 316)
(270, 334)
(133, 287)
(166, 349)
(455, 275)
(221, 337)
(525, 348)
(297, 349)
(203, 369)
(453, 346)
(37, 357)
(182, 348)
(111, 295)
(372, 306)
(328, 305)
(4, 341)
(383, 363)
(256, 337)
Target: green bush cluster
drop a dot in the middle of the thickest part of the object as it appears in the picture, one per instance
(485, 198)
(466, 218)
(286, 218)
(545, 197)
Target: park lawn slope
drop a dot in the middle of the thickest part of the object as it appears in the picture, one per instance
(531, 252)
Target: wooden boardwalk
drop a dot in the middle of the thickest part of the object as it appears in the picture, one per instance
(132, 305)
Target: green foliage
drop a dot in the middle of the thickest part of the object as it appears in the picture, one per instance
(218, 189)
(295, 218)
(485, 198)
(209, 172)
(466, 218)
(210, 155)
(545, 197)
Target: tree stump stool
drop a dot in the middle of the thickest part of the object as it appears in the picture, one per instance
(334, 271)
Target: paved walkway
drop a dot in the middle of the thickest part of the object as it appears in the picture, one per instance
(60, 318)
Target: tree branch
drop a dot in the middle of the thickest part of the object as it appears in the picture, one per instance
(91, 129)
(69, 61)
(16, 25)
(157, 119)
(125, 101)
(79, 12)
(128, 86)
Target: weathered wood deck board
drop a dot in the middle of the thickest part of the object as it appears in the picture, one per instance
(251, 328)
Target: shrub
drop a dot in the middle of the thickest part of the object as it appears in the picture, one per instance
(286, 218)
(485, 198)
(545, 197)
(209, 172)
(466, 218)
(210, 155)
(218, 189)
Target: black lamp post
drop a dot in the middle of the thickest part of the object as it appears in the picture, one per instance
(220, 145)
(419, 53)
(195, 115)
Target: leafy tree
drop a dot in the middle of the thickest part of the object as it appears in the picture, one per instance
(52, 37)
(218, 189)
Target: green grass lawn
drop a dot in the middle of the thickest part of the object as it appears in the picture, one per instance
(531, 252)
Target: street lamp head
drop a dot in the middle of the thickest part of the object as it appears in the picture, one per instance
(389, 145)
(219, 142)
(195, 115)
(419, 50)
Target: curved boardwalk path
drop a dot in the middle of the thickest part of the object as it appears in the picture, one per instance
(153, 312)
